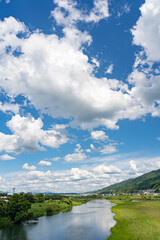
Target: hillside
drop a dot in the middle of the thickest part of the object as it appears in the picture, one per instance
(149, 180)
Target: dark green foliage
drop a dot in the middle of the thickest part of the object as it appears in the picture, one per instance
(2, 208)
(56, 197)
(29, 197)
(17, 208)
(49, 211)
(39, 198)
(149, 180)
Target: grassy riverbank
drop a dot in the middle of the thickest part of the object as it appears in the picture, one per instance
(23, 207)
(50, 207)
(136, 220)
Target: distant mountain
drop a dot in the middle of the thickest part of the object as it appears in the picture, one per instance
(149, 180)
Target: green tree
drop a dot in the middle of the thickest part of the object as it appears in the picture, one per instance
(2, 208)
(49, 211)
(17, 208)
(39, 198)
(29, 197)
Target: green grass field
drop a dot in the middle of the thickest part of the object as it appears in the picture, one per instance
(136, 220)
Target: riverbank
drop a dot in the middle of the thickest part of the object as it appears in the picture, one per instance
(52, 207)
(89, 221)
(40, 206)
(136, 220)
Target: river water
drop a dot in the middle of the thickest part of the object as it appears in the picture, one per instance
(90, 221)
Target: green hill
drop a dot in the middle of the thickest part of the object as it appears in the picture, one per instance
(149, 180)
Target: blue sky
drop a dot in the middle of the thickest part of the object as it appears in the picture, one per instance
(79, 93)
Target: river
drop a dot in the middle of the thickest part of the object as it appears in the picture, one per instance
(90, 221)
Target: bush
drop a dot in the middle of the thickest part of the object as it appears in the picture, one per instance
(49, 211)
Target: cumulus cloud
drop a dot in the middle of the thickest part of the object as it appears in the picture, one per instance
(70, 89)
(6, 157)
(29, 136)
(27, 167)
(106, 169)
(99, 135)
(133, 165)
(77, 156)
(45, 163)
(99, 11)
(145, 78)
(86, 178)
(66, 13)
(146, 31)
(74, 179)
(8, 107)
(108, 149)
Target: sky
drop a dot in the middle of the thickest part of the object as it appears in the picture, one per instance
(79, 93)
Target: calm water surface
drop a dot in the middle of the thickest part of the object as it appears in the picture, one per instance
(91, 221)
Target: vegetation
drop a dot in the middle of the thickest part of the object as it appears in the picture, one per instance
(79, 200)
(136, 220)
(50, 207)
(149, 180)
(23, 207)
(15, 210)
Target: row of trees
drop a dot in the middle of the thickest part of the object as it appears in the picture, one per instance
(17, 207)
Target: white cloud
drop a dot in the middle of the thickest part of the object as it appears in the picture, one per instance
(96, 62)
(77, 156)
(146, 89)
(106, 169)
(99, 135)
(80, 174)
(108, 149)
(146, 32)
(6, 157)
(27, 167)
(28, 135)
(100, 11)
(88, 150)
(70, 89)
(56, 159)
(74, 179)
(66, 13)
(86, 178)
(93, 147)
(133, 165)
(144, 78)
(8, 107)
(45, 163)
(60, 126)
(109, 70)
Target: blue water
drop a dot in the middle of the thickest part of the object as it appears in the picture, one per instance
(91, 221)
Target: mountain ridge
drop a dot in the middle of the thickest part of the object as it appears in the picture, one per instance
(150, 180)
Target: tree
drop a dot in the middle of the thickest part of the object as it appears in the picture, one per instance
(29, 197)
(2, 208)
(39, 197)
(17, 208)
(49, 211)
